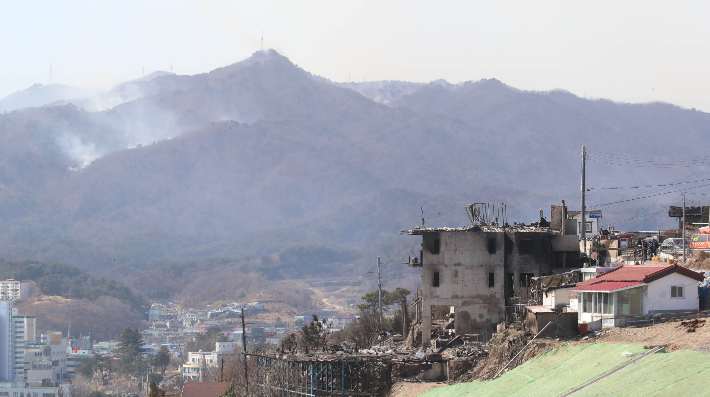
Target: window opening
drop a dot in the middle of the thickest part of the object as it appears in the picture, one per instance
(677, 292)
(491, 246)
(435, 282)
(526, 246)
(525, 279)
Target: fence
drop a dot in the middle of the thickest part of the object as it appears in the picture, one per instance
(298, 377)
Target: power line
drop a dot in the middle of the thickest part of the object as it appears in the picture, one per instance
(649, 162)
(647, 186)
(638, 195)
(645, 165)
(643, 197)
(640, 216)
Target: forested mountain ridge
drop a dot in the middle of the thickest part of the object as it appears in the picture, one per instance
(260, 155)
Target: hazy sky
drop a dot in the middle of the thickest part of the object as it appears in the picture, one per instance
(631, 51)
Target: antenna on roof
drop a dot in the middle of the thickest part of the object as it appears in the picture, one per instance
(422, 208)
(262, 40)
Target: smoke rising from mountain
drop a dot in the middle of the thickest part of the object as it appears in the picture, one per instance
(84, 153)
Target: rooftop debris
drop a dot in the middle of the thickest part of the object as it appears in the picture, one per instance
(486, 217)
(516, 227)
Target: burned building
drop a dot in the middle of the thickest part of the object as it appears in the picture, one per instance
(478, 273)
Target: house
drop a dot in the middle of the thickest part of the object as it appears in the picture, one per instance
(570, 222)
(198, 362)
(618, 295)
(591, 222)
(475, 274)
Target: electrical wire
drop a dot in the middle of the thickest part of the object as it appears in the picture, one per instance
(638, 195)
(647, 186)
(643, 197)
(640, 216)
(625, 160)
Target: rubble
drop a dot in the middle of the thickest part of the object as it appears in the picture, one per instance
(517, 227)
(691, 325)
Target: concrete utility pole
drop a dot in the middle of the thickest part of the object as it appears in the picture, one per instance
(379, 289)
(683, 228)
(584, 221)
(244, 346)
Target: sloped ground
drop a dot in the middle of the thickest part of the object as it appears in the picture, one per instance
(671, 334)
(568, 366)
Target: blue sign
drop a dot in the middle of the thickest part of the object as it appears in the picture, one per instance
(595, 215)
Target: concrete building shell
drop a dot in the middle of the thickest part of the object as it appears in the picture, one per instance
(478, 272)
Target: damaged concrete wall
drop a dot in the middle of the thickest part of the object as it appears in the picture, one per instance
(479, 273)
(528, 254)
(464, 270)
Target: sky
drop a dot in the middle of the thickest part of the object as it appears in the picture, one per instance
(632, 51)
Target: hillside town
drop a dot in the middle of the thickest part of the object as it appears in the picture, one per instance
(480, 284)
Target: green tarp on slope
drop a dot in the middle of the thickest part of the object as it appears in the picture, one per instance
(565, 367)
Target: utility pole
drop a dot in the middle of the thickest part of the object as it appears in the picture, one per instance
(379, 289)
(244, 346)
(584, 221)
(683, 228)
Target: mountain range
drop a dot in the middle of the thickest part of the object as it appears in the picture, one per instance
(257, 156)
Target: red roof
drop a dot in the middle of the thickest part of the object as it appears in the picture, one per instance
(607, 286)
(634, 274)
(204, 389)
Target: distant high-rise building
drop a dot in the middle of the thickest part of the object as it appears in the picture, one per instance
(7, 342)
(13, 289)
(14, 332)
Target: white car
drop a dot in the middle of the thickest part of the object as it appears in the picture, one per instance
(672, 246)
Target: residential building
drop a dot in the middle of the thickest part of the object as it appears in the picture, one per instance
(592, 219)
(7, 348)
(617, 296)
(45, 361)
(19, 389)
(14, 289)
(25, 328)
(198, 362)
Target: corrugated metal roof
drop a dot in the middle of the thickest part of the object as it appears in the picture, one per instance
(609, 286)
(639, 273)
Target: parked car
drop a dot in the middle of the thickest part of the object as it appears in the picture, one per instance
(672, 246)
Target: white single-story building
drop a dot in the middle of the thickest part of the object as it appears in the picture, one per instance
(637, 290)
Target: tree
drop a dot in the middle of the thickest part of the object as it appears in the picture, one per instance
(130, 348)
(155, 391)
(371, 299)
(162, 359)
(90, 365)
(363, 332)
(313, 335)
